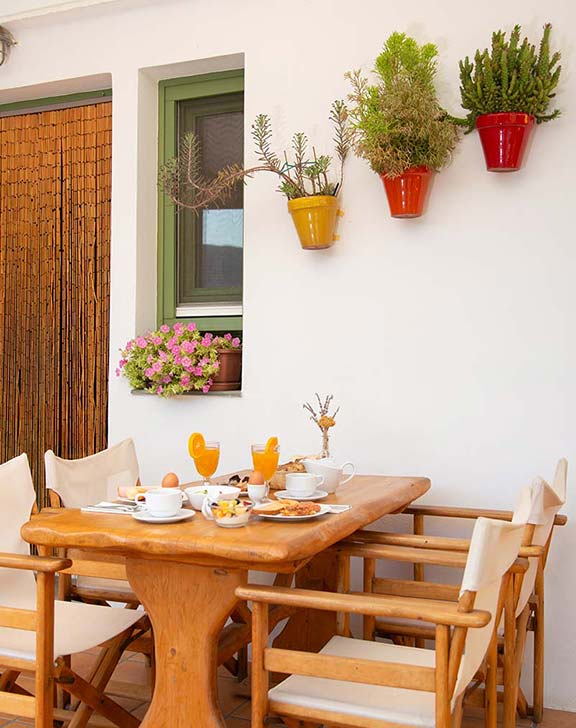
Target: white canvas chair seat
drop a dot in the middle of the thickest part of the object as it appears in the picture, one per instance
(77, 627)
(410, 707)
(92, 479)
(89, 480)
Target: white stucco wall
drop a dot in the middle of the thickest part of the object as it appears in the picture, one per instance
(446, 340)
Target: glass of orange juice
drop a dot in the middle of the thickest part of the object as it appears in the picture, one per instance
(265, 458)
(205, 455)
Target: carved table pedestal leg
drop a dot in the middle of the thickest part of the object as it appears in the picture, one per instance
(188, 606)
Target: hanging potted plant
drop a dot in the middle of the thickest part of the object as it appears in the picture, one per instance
(401, 129)
(506, 90)
(180, 359)
(304, 179)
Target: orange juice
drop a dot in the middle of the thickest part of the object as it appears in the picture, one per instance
(207, 462)
(266, 461)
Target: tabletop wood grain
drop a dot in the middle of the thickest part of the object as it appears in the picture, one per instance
(261, 544)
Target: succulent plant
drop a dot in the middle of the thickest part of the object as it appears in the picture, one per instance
(511, 76)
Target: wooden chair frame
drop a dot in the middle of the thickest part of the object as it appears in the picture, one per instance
(419, 549)
(49, 674)
(451, 620)
(535, 618)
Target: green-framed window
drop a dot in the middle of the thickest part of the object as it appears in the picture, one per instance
(200, 255)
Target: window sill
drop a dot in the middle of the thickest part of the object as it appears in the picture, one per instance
(232, 393)
(208, 310)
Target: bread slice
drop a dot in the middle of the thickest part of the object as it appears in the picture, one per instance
(269, 509)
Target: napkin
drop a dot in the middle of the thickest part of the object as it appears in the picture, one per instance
(338, 508)
(109, 507)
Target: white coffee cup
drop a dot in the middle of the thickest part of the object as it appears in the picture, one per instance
(302, 484)
(332, 473)
(163, 502)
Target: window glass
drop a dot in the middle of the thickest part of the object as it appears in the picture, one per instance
(210, 243)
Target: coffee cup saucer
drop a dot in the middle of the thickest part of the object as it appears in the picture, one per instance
(315, 496)
(146, 517)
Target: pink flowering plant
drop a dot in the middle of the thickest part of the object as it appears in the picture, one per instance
(173, 360)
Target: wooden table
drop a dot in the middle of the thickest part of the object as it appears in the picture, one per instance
(185, 575)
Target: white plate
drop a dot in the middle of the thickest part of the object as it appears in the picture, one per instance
(276, 517)
(316, 495)
(146, 517)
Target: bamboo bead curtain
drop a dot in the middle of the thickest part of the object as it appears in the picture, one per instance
(55, 184)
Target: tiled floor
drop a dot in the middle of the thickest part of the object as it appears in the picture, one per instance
(234, 698)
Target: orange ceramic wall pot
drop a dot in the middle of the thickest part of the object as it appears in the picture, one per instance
(504, 139)
(229, 375)
(315, 220)
(407, 193)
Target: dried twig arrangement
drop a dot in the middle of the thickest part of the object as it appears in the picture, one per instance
(323, 420)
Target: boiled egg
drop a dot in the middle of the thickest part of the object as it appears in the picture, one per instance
(170, 480)
(256, 478)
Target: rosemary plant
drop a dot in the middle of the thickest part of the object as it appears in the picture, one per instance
(399, 122)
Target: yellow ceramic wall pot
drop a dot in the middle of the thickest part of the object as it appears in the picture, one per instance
(315, 220)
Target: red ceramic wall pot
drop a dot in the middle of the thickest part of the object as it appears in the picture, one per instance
(407, 193)
(504, 138)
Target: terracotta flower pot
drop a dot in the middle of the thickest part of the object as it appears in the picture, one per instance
(315, 220)
(229, 377)
(504, 138)
(407, 193)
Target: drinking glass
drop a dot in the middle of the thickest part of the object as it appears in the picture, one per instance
(206, 462)
(265, 460)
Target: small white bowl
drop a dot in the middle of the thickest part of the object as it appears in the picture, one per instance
(233, 521)
(197, 493)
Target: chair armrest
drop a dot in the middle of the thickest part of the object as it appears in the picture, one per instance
(409, 539)
(428, 542)
(45, 564)
(417, 555)
(426, 610)
(408, 554)
(455, 512)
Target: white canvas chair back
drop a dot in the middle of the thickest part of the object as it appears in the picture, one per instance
(92, 479)
(17, 587)
(546, 502)
(493, 549)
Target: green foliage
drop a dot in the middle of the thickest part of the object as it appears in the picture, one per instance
(305, 175)
(511, 76)
(182, 179)
(173, 360)
(398, 122)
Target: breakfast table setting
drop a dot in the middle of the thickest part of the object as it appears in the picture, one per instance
(187, 548)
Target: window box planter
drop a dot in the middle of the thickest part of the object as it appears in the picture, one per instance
(229, 377)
